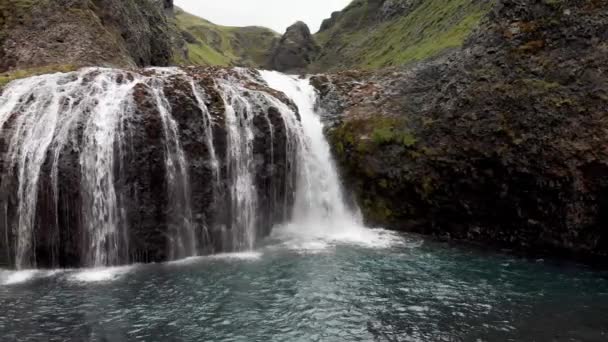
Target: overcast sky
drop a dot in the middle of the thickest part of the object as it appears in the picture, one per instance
(276, 14)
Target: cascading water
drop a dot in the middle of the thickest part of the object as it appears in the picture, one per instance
(243, 206)
(320, 210)
(182, 232)
(107, 167)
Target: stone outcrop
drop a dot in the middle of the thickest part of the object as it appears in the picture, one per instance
(502, 142)
(85, 32)
(295, 50)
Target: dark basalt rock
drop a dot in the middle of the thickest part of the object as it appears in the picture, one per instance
(330, 22)
(502, 142)
(141, 185)
(295, 50)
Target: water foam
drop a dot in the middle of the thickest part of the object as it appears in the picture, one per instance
(21, 277)
(101, 274)
(251, 255)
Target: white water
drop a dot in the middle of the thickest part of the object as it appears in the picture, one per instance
(183, 236)
(58, 103)
(243, 196)
(321, 215)
(52, 108)
(101, 210)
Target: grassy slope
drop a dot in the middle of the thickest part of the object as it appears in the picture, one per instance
(224, 45)
(357, 40)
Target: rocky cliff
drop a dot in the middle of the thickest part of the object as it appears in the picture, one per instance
(295, 50)
(501, 142)
(83, 32)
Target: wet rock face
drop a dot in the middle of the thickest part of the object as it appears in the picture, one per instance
(498, 143)
(295, 50)
(142, 186)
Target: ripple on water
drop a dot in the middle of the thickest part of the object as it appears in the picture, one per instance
(248, 255)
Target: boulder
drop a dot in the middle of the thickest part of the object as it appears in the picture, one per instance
(295, 50)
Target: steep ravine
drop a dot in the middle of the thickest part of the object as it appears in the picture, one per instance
(502, 142)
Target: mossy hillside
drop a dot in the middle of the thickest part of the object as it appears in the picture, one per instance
(211, 44)
(434, 26)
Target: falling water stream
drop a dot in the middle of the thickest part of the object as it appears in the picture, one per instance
(317, 275)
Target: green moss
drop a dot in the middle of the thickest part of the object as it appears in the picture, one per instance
(363, 136)
(392, 131)
(540, 84)
(377, 210)
(7, 77)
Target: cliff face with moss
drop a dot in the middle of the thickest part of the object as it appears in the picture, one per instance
(500, 142)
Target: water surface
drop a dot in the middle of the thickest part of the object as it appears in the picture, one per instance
(374, 286)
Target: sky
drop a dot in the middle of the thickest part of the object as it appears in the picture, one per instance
(275, 14)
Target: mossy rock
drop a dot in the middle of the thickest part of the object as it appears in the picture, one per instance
(7, 77)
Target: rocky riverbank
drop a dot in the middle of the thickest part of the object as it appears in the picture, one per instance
(500, 142)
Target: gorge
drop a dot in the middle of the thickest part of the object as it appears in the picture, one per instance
(219, 271)
(416, 170)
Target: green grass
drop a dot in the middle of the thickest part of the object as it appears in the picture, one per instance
(430, 29)
(224, 45)
(7, 77)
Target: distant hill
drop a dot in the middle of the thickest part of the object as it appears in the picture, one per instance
(211, 44)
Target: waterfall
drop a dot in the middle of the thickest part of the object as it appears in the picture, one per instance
(182, 231)
(320, 208)
(104, 167)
